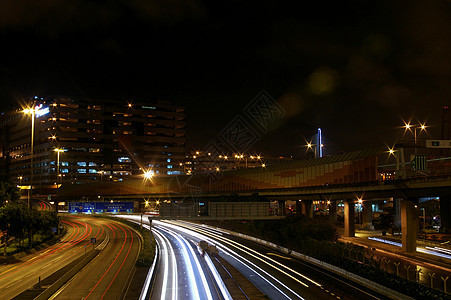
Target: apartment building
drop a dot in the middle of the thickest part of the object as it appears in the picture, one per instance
(98, 140)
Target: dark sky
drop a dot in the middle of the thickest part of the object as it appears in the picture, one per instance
(357, 68)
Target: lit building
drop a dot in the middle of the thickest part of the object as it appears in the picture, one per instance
(102, 140)
(204, 162)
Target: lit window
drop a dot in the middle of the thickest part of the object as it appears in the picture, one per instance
(124, 159)
(83, 171)
(168, 160)
(92, 171)
(81, 163)
(169, 166)
(92, 164)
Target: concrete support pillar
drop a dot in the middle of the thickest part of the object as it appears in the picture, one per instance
(282, 207)
(397, 209)
(349, 218)
(409, 225)
(299, 207)
(445, 214)
(307, 208)
(333, 212)
(367, 215)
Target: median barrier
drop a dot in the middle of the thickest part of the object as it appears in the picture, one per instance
(392, 294)
(66, 277)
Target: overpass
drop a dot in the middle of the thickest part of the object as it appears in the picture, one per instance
(350, 177)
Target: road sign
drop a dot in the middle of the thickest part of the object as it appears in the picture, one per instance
(438, 144)
(418, 162)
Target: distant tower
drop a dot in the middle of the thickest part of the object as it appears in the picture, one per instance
(445, 132)
(318, 140)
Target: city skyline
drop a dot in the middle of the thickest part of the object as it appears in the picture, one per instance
(356, 69)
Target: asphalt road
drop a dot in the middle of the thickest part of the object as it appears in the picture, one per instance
(182, 272)
(275, 274)
(22, 274)
(107, 275)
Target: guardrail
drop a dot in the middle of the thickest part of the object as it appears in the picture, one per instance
(150, 276)
(392, 294)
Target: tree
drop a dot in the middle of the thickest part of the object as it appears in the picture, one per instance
(12, 221)
(8, 192)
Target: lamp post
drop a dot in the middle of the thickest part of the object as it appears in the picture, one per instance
(32, 112)
(58, 151)
(310, 146)
(360, 211)
(409, 127)
(395, 153)
(148, 174)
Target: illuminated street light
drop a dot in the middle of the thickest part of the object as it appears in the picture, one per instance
(58, 151)
(360, 210)
(310, 146)
(32, 112)
(399, 156)
(409, 127)
(148, 174)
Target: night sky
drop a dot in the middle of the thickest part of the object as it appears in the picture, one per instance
(355, 68)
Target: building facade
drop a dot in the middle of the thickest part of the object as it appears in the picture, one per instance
(98, 140)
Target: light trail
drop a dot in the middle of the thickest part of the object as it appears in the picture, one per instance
(436, 251)
(225, 293)
(110, 266)
(166, 244)
(190, 258)
(227, 250)
(263, 258)
(192, 279)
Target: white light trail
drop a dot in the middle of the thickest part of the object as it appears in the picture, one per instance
(164, 249)
(265, 259)
(174, 268)
(437, 251)
(223, 248)
(225, 293)
(192, 279)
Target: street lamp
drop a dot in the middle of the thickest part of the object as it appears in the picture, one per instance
(58, 151)
(148, 174)
(409, 127)
(360, 210)
(32, 112)
(310, 146)
(399, 156)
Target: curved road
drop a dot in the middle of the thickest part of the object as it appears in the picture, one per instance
(275, 274)
(182, 271)
(16, 277)
(22, 274)
(108, 274)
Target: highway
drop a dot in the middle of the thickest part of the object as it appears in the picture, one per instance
(109, 269)
(273, 273)
(22, 274)
(108, 274)
(182, 272)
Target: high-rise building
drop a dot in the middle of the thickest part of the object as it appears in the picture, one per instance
(101, 140)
